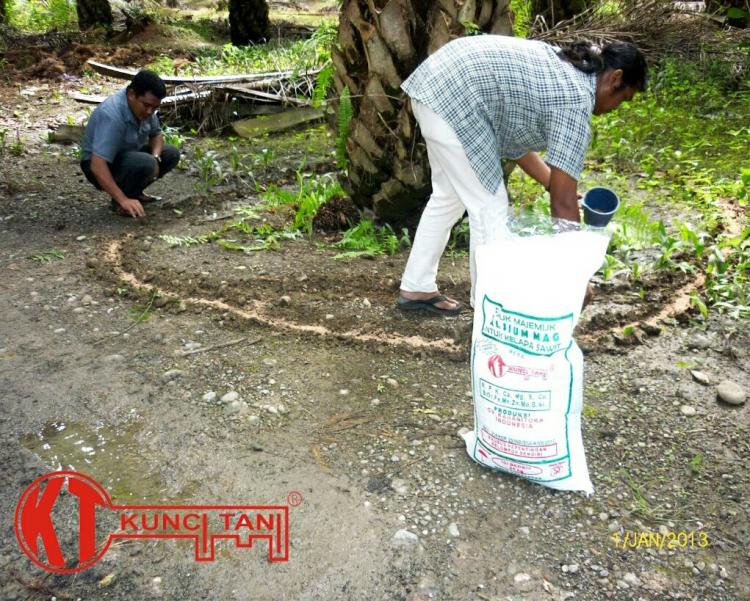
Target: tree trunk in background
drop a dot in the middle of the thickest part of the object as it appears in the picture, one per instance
(121, 16)
(3, 14)
(555, 11)
(94, 13)
(380, 42)
(248, 21)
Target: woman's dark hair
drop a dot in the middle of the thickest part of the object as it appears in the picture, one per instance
(616, 55)
(148, 81)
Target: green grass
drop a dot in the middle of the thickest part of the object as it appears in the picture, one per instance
(367, 240)
(275, 55)
(523, 17)
(36, 16)
(48, 256)
(311, 193)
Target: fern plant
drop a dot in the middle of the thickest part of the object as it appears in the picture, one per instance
(322, 85)
(346, 114)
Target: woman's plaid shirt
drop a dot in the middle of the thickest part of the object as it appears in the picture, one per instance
(506, 96)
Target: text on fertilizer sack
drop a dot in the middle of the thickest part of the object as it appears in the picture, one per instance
(532, 335)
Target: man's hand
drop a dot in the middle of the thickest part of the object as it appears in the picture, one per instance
(132, 207)
(127, 206)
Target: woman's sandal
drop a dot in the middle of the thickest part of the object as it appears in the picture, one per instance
(427, 304)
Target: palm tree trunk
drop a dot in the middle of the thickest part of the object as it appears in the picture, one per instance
(94, 13)
(248, 21)
(380, 42)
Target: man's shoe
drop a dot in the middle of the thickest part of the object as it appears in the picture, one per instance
(145, 199)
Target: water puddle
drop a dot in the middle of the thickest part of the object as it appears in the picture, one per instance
(113, 456)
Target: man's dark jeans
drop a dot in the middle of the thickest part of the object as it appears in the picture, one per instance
(133, 171)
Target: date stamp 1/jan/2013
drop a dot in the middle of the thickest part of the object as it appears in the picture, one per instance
(669, 540)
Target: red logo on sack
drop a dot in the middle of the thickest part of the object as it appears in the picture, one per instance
(499, 368)
(203, 524)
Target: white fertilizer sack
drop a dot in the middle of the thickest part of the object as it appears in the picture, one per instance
(527, 371)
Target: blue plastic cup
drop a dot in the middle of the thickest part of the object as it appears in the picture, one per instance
(599, 204)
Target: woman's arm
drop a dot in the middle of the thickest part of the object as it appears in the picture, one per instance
(563, 194)
(536, 168)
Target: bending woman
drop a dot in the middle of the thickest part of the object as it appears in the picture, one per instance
(483, 98)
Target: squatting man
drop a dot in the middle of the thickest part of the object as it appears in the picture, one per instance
(123, 147)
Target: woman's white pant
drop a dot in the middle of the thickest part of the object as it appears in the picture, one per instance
(455, 189)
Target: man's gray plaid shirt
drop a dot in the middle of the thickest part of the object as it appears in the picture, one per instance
(507, 96)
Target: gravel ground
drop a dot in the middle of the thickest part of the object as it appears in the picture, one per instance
(366, 432)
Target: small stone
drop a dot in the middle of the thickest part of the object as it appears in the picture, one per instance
(344, 392)
(632, 579)
(181, 307)
(268, 362)
(209, 397)
(375, 402)
(191, 346)
(156, 588)
(392, 383)
(731, 393)
(253, 420)
(399, 486)
(700, 377)
(172, 374)
(699, 342)
(236, 407)
(524, 531)
(523, 582)
(86, 300)
(688, 410)
(404, 538)
(603, 516)
(285, 301)
(161, 302)
(573, 568)
(79, 310)
(92, 263)
(114, 358)
(230, 396)
(453, 530)
(329, 316)
(395, 458)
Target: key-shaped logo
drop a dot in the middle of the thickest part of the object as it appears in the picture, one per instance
(67, 495)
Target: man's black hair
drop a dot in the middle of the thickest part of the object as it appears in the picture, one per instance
(148, 81)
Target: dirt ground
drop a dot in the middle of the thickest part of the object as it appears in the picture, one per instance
(334, 395)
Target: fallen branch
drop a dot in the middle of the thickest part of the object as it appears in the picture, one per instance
(167, 102)
(127, 74)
